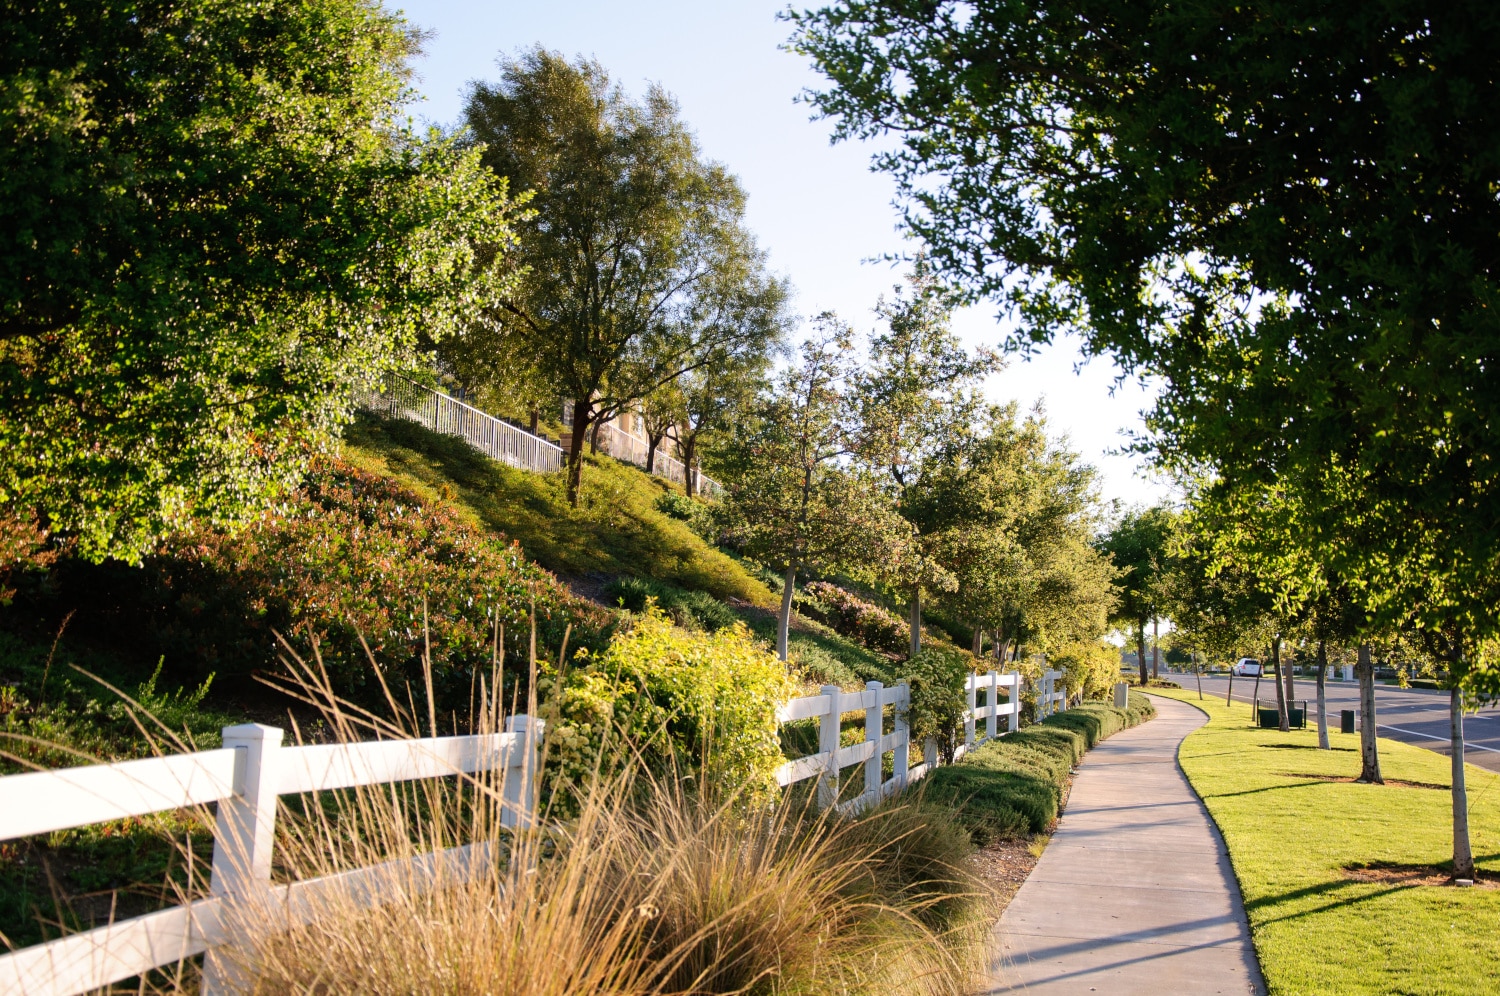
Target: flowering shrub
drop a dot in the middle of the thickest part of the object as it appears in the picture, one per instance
(352, 555)
(702, 705)
(858, 619)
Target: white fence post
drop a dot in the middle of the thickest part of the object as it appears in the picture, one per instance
(244, 834)
(969, 697)
(519, 786)
(874, 730)
(1015, 698)
(901, 760)
(992, 727)
(828, 743)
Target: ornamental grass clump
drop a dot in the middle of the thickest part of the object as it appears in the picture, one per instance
(645, 886)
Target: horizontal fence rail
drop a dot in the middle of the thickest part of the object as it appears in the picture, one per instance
(244, 777)
(489, 435)
(981, 723)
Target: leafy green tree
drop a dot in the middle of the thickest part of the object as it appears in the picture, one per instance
(917, 392)
(1166, 178)
(794, 502)
(637, 264)
(717, 396)
(215, 221)
(1138, 544)
(1010, 514)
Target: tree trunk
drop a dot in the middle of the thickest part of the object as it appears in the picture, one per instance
(581, 415)
(1155, 648)
(1291, 693)
(915, 621)
(689, 447)
(784, 621)
(1369, 753)
(1199, 672)
(1463, 855)
(1140, 648)
(1281, 706)
(594, 437)
(1229, 695)
(1322, 699)
(653, 440)
(977, 641)
(536, 419)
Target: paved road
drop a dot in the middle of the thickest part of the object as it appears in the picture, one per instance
(1412, 715)
(1134, 894)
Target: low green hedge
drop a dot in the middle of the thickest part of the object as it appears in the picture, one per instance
(1013, 786)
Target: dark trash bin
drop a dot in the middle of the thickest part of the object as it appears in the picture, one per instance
(1346, 721)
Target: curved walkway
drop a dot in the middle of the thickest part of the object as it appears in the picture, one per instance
(1134, 894)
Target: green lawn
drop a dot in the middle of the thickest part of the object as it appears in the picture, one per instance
(1294, 837)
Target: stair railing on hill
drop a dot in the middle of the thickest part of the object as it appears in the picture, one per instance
(831, 704)
(244, 777)
(439, 412)
(631, 448)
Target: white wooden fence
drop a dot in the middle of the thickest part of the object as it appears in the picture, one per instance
(244, 777)
(489, 435)
(831, 703)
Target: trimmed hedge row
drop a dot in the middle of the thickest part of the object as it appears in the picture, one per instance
(1013, 786)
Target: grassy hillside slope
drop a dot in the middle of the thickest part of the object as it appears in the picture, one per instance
(617, 528)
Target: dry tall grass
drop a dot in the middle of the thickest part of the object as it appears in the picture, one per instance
(649, 890)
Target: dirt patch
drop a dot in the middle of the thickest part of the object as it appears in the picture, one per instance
(1005, 864)
(1398, 782)
(1389, 873)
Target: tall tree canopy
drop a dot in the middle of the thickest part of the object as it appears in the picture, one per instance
(214, 219)
(1140, 545)
(638, 267)
(795, 501)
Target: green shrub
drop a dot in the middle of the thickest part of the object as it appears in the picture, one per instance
(698, 515)
(695, 705)
(915, 856)
(938, 699)
(1013, 786)
(690, 609)
(818, 666)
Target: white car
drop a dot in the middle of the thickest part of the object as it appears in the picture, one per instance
(1247, 667)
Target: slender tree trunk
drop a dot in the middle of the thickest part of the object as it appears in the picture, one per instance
(1140, 648)
(1155, 648)
(1369, 752)
(1291, 693)
(1229, 695)
(536, 419)
(689, 447)
(915, 621)
(1322, 698)
(581, 416)
(1281, 705)
(784, 621)
(653, 440)
(1463, 854)
(594, 437)
(1255, 699)
(977, 641)
(1199, 672)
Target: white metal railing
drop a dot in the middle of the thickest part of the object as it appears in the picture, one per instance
(829, 706)
(630, 448)
(441, 413)
(244, 777)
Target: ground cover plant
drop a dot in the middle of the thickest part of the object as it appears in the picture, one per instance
(1014, 786)
(1335, 874)
(618, 527)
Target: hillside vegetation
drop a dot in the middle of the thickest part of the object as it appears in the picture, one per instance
(619, 526)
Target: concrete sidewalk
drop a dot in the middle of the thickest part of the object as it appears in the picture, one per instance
(1134, 894)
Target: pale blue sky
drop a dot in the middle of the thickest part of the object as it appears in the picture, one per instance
(816, 207)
